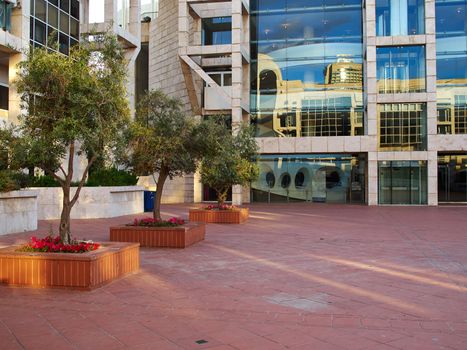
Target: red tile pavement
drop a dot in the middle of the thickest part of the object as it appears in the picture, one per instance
(298, 276)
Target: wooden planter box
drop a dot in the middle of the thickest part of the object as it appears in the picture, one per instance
(67, 270)
(160, 237)
(236, 216)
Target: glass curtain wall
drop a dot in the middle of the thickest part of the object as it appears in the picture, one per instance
(400, 69)
(451, 66)
(55, 22)
(331, 178)
(402, 127)
(306, 67)
(400, 17)
(402, 182)
(452, 177)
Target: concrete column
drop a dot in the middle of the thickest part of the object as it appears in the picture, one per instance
(183, 27)
(20, 18)
(372, 179)
(432, 119)
(237, 81)
(110, 12)
(370, 98)
(135, 20)
(14, 99)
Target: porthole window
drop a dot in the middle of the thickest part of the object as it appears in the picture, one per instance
(332, 179)
(299, 179)
(286, 180)
(270, 179)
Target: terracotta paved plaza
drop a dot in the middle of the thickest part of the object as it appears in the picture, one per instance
(299, 276)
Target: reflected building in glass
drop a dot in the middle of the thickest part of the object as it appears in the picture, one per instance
(307, 68)
(352, 101)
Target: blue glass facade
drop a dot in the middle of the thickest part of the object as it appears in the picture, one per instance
(401, 69)
(217, 31)
(306, 67)
(451, 66)
(400, 17)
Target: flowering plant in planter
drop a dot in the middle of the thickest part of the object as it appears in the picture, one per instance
(151, 222)
(52, 244)
(220, 207)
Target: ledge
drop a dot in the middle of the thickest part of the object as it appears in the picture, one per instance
(19, 194)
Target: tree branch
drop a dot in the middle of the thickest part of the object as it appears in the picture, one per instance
(83, 179)
(56, 177)
(71, 158)
(63, 171)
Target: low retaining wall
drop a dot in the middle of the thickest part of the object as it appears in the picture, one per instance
(160, 237)
(64, 270)
(93, 202)
(18, 211)
(234, 216)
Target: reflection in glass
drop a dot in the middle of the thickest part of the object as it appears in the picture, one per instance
(216, 31)
(5, 15)
(400, 17)
(337, 178)
(402, 182)
(400, 69)
(306, 68)
(51, 24)
(451, 66)
(402, 127)
(452, 177)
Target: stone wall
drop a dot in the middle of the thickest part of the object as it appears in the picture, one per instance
(93, 202)
(165, 73)
(18, 211)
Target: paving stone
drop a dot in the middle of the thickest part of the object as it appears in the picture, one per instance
(297, 276)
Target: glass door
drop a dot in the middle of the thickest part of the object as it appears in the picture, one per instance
(443, 183)
(452, 178)
(402, 182)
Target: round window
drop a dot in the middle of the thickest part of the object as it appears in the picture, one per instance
(270, 179)
(332, 179)
(285, 182)
(299, 179)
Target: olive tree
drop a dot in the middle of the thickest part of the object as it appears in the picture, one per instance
(230, 160)
(75, 105)
(162, 140)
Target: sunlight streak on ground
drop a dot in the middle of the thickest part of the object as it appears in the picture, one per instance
(371, 267)
(325, 281)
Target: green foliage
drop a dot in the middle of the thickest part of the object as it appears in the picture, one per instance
(161, 137)
(76, 105)
(8, 182)
(162, 140)
(44, 181)
(13, 148)
(77, 100)
(230, 158)
(111, 177)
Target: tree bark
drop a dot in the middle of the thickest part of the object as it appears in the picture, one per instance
(68, 202)
(163, 174)
(64, 228)
(222, 196)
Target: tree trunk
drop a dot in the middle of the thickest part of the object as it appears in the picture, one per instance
(64, 228)
(222, 196)
(163, 174)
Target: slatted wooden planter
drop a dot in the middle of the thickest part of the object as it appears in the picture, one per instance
(66, 270)
(160, 237)
(234, 216)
